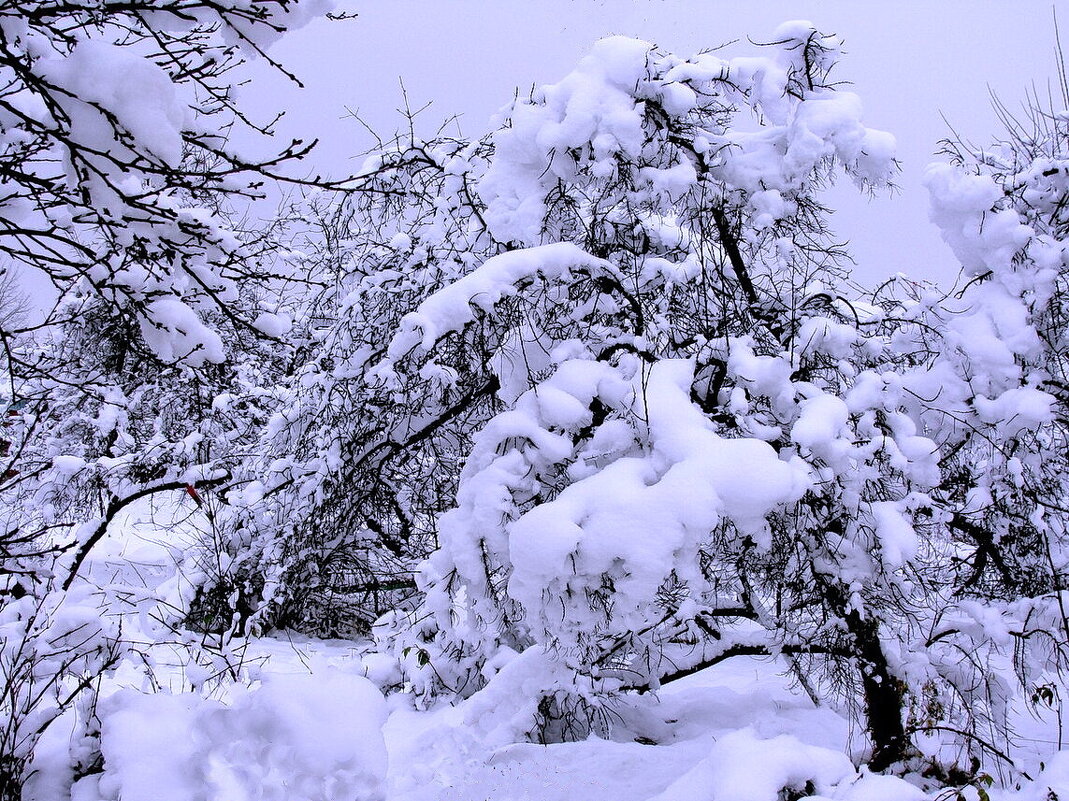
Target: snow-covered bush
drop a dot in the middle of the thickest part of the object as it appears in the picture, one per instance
(710, 446)
(995, 394)
(53, 651)
(115, 155)
(672, 388)
(351, 471)
(365, 457)
(118, 179)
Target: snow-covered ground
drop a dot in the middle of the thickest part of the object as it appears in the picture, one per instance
(314, 728)
(310, 727)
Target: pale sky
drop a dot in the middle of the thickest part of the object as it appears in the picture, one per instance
(911, 62)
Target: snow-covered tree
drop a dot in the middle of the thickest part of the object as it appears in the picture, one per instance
(351, 471)
(116, 121)
(675, 451)
(995, 394)
(711, 446)
(118, 179)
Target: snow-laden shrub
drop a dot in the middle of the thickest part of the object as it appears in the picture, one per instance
(673, 393)
(54, 648)
(710, 446)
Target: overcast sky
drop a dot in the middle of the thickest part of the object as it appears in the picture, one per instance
(911, 62)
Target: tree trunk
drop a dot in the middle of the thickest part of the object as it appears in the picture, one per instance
(884, 696)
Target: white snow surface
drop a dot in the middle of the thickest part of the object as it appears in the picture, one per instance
(307, 725)
(295, 737)
(314, 728)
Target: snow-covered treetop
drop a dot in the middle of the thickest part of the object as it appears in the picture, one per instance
(114, 125)
(660, 124)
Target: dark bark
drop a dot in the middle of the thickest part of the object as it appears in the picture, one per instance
(884, 694)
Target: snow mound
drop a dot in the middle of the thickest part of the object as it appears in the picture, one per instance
(295, 738)
(735, 732)
(742, 765)
(1052, 783)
